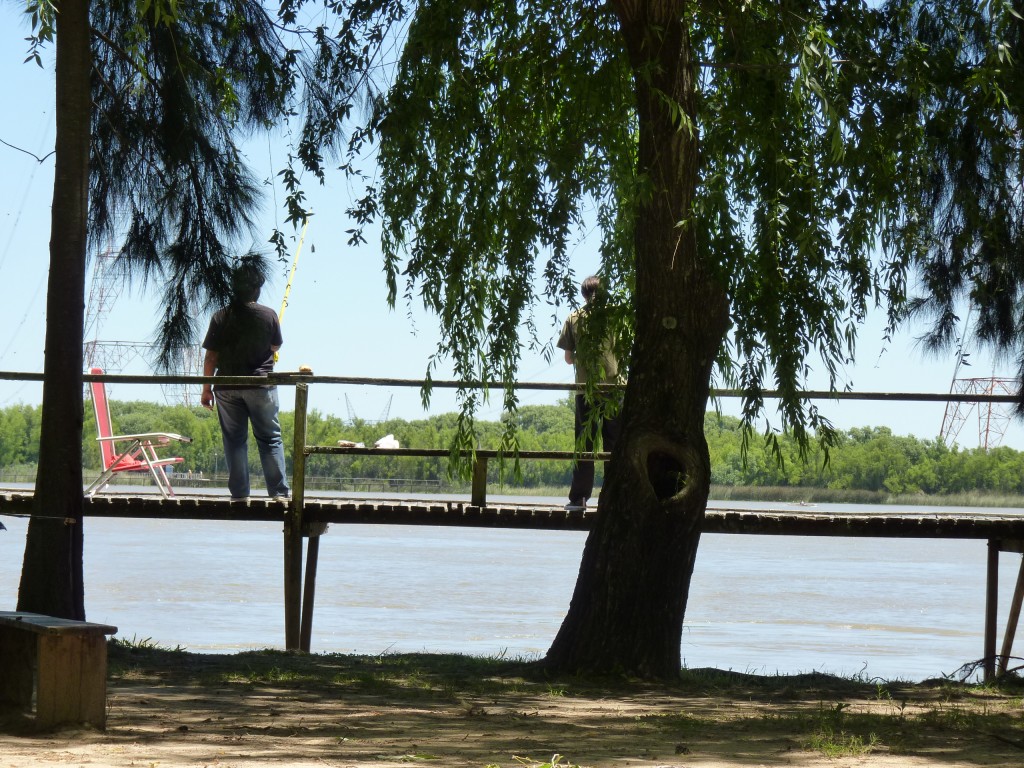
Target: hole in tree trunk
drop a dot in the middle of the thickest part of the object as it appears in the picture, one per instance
(666, 475)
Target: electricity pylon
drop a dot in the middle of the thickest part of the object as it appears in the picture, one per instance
(116, 356)
(993, 418)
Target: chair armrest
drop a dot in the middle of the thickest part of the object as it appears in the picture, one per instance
(160, 436)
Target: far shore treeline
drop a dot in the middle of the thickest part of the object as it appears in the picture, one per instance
(868, 464)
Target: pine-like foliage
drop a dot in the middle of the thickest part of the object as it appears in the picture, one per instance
(172, 98)
(971, 183)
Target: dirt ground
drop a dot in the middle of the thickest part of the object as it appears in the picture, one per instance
(170, 709)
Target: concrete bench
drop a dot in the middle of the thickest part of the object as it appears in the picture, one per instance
(63, 662)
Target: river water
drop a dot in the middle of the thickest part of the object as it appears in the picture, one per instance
(887, 608)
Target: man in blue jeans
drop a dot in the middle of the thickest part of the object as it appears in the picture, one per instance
(241, 341)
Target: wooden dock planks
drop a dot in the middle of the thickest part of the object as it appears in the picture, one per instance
(526, 514)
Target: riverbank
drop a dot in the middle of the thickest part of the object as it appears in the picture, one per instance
(810, 495)
(806, 495)
(176, 710)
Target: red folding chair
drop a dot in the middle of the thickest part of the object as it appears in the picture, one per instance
(140, 453)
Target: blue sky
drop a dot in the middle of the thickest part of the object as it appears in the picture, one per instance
(337, 320)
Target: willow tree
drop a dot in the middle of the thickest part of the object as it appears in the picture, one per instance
(761, 173)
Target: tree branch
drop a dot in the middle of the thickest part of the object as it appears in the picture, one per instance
(30, 154)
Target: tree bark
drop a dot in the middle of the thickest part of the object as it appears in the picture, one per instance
(626, 614)
(51, 576)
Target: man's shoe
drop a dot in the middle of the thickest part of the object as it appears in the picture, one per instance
(282, 499)
(576, 505)
(239, 499)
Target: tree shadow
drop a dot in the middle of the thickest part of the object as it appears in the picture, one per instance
(468, 711)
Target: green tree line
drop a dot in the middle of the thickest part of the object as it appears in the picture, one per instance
(864, 459)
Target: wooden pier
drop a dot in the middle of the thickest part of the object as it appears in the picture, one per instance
(310, 519)
(525, 514)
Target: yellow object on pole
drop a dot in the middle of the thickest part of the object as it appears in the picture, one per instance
(291, 276)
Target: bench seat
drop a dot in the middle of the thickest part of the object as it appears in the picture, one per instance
(62, 661)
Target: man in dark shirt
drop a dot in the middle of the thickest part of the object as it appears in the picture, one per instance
(241, 341)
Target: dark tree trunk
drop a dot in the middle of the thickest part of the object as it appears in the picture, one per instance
(51, 575)
(626, 614)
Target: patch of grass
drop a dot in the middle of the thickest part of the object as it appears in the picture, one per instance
(897, 708)
(410, 677)
(954, 717)
(841, 744)
(136, 643)
(418, 757)
(834, 731)
(679, 724)
(972, 499)
(556, 761)
(273, 674)
(794, 494)
(831, 737)
(808, 495)
(759, 687)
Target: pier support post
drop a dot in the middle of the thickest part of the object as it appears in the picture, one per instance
(1012, 619)
(293, 527)
(991, 609)
(309, 591)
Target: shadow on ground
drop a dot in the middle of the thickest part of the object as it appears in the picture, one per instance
(175, 708)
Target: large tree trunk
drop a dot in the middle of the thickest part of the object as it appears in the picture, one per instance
(627, 611)
(51, 576)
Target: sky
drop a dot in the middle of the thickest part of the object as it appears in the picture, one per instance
(337, 320)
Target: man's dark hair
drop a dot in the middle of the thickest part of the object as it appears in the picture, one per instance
(246, 282)
(589, 287)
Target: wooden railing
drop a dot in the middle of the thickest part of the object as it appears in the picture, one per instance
(301, 380)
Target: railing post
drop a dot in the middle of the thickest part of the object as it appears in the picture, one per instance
(478, 494)
(293, 526)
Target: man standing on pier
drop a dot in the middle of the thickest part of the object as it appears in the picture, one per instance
(591, 357)
(241, 341)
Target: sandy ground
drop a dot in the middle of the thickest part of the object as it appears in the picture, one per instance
(173, 709)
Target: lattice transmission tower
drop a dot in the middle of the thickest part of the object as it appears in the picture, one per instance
(993, 418)
(353, 418)
(116, 356)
